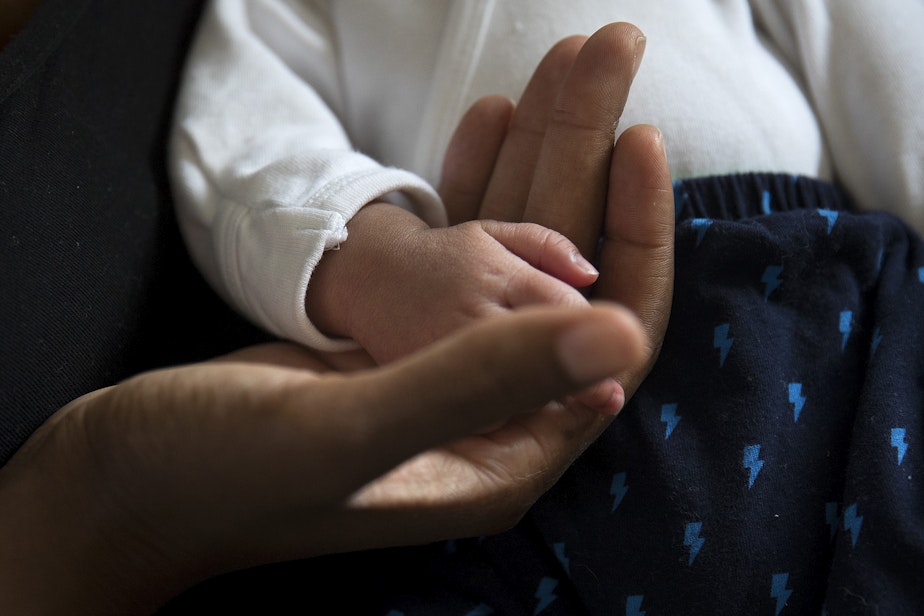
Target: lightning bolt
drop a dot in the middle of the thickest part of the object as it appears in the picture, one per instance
(618, 489)
(921, 274)
(832, 517)
(670, 418)
(779, 591)
(846, 326)
(796, 399)
(853, 522)
(832, 216)
(765, 202)
(692, 540)
(898, 441)
(721, 341)
(544, 593)
(701, 225)
(481, 610)
(634, 605)
(771, 279)
(877, 340)
(559, 549)
(752, 462)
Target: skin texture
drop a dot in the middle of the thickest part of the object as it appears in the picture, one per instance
(131, 494)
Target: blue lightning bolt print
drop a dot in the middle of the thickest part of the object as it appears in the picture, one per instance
(670, 418)
(721, 341)
(692, 539)
(634, 605)
(771, 279)
(779, 591)
(832, 218)
(559, 549)
(832, 517)
(481, 610)
(618, 489)
(921, 274)
(898, 441)
(877, 340)
(846, 326)
(544, 594)
(852, 523)
(765, 202)
(796, 399)
(752, 462)
(701, 225)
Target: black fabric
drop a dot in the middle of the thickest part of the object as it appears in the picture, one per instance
(768, 465)
(95, 284)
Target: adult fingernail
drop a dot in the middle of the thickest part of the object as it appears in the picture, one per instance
(585, 353)
(640, 44)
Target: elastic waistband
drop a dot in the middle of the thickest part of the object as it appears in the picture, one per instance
(740, 196)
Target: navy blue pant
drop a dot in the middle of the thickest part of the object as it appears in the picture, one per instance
(768, 465)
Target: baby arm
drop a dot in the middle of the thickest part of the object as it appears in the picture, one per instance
(265, 178)
(396, 284)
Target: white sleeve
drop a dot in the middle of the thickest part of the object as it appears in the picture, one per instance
(862, 62)
(264, 175)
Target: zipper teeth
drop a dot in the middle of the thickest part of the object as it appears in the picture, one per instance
(467, 26)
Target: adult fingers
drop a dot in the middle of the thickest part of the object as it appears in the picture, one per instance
(570, 182)
(506, 195)
(637, 256)
(471, 156)
(494, 477)
(489, 372)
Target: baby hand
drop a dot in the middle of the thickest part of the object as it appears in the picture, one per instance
(397, 285)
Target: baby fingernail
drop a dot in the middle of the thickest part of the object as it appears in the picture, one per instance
(583, 264)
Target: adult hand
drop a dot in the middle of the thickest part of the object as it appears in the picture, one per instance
(551, 160)
(129, 495)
